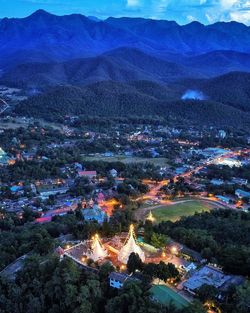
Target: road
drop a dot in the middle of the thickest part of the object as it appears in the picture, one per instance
(156, 186)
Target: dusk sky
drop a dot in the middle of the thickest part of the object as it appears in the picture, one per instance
(182, 11)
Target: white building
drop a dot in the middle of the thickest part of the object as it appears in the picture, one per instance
(97, 252)
(130, 246)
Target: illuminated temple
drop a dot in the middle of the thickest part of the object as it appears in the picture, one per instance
(97, 252)
(130, 246)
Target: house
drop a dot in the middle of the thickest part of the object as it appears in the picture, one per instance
(89, 174)
(108, 154)
(217, 182)
(113, 173)
(3, 157)
(94, 214)
(78, 166)
(208, 275)
(224, 199)
(222, 134)
(53, 191)
(242, 193)
(117, 280)
(16, 188)
(239, 181)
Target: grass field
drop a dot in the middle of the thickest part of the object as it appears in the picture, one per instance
(127, 160)
(165, 295)
(19, 122)
(176, 211)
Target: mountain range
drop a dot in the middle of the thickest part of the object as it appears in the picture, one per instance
(126, 66)
(44, 37)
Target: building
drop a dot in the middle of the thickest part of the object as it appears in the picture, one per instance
(239, 181)
(113, 173)
(224, 199)
(242, 193)
(182, 264)
(3, 157)
(117, 280)
(228, 162)
(97, 251)
(208, 275)
(130, 246)
(217, 182)
(94, 214)
(222, 134)
(53, 191)
(89, 174)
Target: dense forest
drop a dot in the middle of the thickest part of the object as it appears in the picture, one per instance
(45, 284)
(220, 235)
(115, 99)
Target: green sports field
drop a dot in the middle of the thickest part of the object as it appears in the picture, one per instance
(176, 211)
(165, 295)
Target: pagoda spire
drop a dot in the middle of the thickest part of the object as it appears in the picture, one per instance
(97, 251)
(130, 246)
(150, 217)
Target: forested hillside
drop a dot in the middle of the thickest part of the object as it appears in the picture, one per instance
(138, 99)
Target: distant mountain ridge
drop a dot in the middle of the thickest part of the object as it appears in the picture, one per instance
(44, 37)
(122, 64)
(125, 64)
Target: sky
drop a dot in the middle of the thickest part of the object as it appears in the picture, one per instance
(182, 11)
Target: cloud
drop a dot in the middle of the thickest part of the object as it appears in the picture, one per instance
(191, 18)
(240, 16)
(182, 11)
(133, 3)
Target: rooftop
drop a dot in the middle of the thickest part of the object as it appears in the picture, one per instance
(121, 277)
(206, 275)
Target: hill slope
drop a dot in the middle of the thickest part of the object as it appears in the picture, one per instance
(137, 99)
(123, 64)
(231, 89)
(218, 62)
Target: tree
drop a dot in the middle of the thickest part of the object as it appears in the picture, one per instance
(166, 271)
(207, 292)
(242, 299)
(132, 299)
(134, 263)
(195, 307)
(158, 240)
(150, 269)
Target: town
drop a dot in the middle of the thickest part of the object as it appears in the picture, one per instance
(120, 197)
